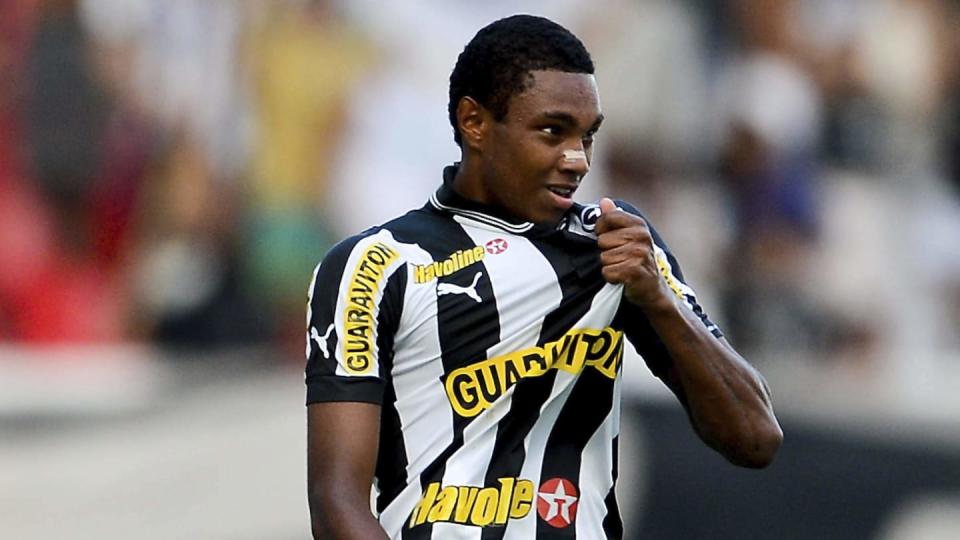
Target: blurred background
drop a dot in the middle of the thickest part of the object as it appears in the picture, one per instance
(172, 170)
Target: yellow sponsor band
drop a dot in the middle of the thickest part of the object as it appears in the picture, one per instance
(458, 260)
(472, 505)
(359, 315)
(474, 388)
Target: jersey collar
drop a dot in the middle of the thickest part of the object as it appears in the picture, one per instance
(446, 199)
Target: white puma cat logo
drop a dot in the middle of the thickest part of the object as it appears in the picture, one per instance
(471, 291)
(321, 341)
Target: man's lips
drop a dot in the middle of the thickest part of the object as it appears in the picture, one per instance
(564, 191)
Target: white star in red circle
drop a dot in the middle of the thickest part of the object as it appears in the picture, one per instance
(496, 246)
(557, 502)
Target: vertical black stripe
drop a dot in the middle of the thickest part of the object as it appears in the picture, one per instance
(529, 395)
(392, 455)
(612, 522)
(589, 403)
(466, 329)
(323, 305)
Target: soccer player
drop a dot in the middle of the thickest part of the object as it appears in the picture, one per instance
(465, 358)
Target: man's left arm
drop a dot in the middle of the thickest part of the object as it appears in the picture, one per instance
(726, 398)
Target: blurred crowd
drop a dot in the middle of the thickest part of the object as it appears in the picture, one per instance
(172, 170)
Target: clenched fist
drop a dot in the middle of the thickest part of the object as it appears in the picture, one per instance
(628, 257)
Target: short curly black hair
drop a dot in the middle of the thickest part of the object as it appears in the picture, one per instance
(497, 62)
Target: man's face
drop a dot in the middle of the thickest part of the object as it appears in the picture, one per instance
(534, 158)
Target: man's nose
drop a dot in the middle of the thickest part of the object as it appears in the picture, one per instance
(575, 160)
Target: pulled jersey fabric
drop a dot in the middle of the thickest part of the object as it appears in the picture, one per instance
(494, 348)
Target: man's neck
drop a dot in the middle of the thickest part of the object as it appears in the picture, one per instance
(468, 182)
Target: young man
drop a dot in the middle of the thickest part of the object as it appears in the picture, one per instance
(466, 356)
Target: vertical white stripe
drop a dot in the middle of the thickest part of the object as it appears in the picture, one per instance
(425, 415)
(535, 444)
(455, 531)
(596, 471)
(468, 466)
(518, 275)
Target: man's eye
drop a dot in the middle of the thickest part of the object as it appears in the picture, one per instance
(552, 130)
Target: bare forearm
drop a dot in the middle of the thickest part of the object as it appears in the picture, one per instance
(727, 399)
(341, 455)
(333, 518)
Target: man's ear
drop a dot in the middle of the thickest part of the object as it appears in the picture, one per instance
(473, 121)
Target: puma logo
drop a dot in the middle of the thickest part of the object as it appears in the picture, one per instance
(321, 341)
(471, 291)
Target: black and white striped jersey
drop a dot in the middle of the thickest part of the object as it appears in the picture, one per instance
(494, 348)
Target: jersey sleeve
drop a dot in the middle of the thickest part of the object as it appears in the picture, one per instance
(353, 309)
(634, 322)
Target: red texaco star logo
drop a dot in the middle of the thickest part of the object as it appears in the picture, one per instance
(496, 246)
(557, 502)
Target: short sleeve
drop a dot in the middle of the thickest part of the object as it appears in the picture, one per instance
(354, 304)
(632, 319)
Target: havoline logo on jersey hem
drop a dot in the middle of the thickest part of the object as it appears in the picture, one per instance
(473, 505)
(473, 389)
